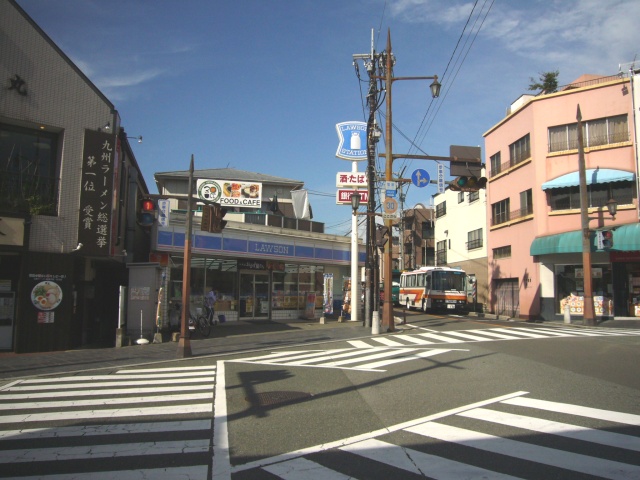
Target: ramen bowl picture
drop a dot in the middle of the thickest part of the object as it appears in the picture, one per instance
(46, 295)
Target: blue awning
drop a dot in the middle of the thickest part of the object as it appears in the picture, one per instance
(594, 176)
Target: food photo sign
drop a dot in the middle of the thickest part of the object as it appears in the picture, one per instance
(46, 295)
(229, 193)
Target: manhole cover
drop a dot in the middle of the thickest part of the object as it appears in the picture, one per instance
(274, 398)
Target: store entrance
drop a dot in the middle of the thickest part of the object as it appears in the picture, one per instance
(254, 295)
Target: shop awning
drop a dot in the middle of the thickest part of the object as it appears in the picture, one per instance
(626, 238)
(569, 242)
(594, 176)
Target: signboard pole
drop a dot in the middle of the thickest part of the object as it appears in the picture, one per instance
(184, 344)
(355, 278)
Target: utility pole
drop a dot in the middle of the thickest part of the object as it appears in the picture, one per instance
(588, 311)
(371, 265)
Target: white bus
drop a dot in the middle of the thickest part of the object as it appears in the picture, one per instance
(434, 289)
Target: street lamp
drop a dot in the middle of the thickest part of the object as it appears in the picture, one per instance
(612, 207)
(355, 202)
(387, 310)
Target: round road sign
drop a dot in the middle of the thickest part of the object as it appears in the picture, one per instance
(390, 205)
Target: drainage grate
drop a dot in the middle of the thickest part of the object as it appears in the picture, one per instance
(267, 399)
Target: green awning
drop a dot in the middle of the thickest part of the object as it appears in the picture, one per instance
(626, 238)
(569, 242)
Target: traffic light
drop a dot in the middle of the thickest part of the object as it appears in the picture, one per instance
(607, 239)
(147, 212)
(468, 184)
(217, 215)
(382, 233)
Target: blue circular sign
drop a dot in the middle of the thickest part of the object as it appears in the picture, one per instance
(420, 178)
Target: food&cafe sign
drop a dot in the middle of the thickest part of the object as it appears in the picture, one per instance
(229, 193)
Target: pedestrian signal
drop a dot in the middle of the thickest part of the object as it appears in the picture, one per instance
(607, 239)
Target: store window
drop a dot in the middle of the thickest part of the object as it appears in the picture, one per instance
(570, 289)
(29, 170)
(206, 273)
(292, 286)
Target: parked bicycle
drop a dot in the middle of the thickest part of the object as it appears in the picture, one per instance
(205, 321)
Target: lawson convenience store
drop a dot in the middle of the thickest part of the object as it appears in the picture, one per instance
(259, 272)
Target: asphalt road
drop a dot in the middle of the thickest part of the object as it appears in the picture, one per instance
(439, 398)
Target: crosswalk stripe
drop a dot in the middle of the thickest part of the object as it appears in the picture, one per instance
(412, 339)
(209, 368)
(492, 333)
(104, 392)
(610, 416)
(415, 356)
(387, 341)
(543, 455)
(108, 401)
(115, 383)
(106, 429)
(195, 471)
(49, 454)
(79, 378)
(302, 468)
(328, 355)
(517, 331)
(374, 356)
(546, 331)
(439, 337)
(112, 413)
(419, 463)
(359, 344)
(550, 427)
(468, 336)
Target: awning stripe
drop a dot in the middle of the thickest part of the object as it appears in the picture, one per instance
(594, 176)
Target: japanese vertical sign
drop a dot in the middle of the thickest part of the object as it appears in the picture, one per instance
(96, 193)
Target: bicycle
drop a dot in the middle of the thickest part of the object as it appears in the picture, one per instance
(204, 322)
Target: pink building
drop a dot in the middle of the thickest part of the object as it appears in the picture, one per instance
(533, 202)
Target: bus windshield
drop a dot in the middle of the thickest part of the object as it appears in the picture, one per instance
(449, 281)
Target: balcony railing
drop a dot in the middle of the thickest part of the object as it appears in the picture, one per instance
(504, 217)
(495, 170)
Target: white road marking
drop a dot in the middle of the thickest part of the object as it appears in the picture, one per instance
(616, 440)
(106, 429)
(610, 416)
(106, 414)
(546, 456)
(51, 454)
(221, 459)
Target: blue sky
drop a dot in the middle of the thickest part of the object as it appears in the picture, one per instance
(259, 85)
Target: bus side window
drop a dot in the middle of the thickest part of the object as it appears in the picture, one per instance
(427, 283)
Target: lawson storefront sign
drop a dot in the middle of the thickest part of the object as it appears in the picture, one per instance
(252, 246)
(352, 140)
